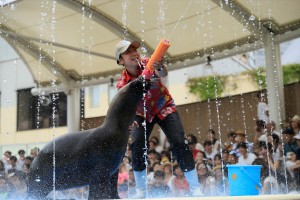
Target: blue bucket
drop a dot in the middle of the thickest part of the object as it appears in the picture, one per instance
(244, 179)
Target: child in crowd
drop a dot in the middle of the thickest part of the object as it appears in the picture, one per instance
(181, 186)
(159, 189)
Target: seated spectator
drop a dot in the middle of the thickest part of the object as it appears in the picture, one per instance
(155, 167)
(181, 186)
(2, 169)
(289, 142)
(203, 177)
(21, 159)
(295, 124)
(228, 145)
(241, 137)
(209, 151)
(276, 146)
(159, 189)
(225, 154)
(169, 177)
(153, 157)
(232, 158)
(12, 163)
(3, 188)
(194, 145)
(156, 146)
(217, 160)
(211, 136)
(34, 152)
(217, 183)
(7, 155)
(17, 184)
(192, 141)
(259, 133)
(292, 163)
(123, 181)
(131, 184)
(165, 157)
(200, 157)
(268, 182)
(126, 161)
(27, 162)
(270, 129)
(245, 158)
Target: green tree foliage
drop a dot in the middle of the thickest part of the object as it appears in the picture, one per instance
(259, 76)
(291, 74)
(209, 87)
(212, 86)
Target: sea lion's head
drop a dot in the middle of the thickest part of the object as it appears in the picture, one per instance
(126, 101)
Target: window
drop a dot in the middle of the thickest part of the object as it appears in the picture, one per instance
(43, 111)
(112, 91)
(95, 96)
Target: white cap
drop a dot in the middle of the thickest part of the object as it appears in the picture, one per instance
(123, 45)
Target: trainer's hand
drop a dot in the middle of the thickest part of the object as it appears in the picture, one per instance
(159, 65)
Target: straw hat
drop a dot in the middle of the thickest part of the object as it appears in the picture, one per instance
(217, 167)
(240, 132)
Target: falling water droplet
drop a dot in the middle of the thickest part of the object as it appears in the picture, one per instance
(252, 17)
(184, 26)
(144, 50)
(12, 7)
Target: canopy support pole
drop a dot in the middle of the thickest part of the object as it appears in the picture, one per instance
(274, 80)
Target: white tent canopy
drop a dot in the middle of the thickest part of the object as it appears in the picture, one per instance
(73, 40)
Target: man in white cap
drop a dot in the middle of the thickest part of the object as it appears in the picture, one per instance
(161, 110)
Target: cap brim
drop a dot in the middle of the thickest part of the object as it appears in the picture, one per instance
(134, 44)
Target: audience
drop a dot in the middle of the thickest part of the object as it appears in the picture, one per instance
(277, 152)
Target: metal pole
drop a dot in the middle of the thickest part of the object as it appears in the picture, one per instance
(274, 80)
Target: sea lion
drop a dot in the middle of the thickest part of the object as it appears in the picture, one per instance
(91, 157)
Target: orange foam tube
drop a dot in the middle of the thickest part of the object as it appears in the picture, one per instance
(158, 54)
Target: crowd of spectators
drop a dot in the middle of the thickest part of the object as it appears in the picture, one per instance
(277, 151)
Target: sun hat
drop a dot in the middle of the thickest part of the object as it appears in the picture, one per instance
(296, 119)
(240, 132)
(123, 45)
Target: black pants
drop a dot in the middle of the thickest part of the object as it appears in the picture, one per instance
(173, 129)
